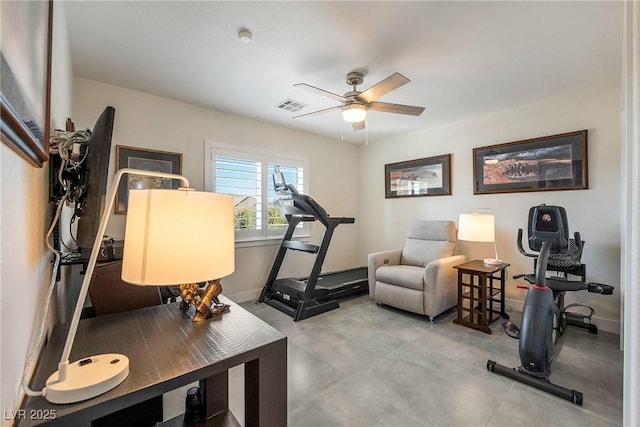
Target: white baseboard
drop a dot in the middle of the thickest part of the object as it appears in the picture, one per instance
(605, 325)
(239, 297)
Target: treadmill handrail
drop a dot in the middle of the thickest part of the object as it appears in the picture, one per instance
(302, 205)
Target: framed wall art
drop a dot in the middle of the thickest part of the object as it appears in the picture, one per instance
(429, 176)
(145, 159)
(556, 162)
(25, 87)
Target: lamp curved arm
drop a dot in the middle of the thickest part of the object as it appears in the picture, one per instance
(104, 219)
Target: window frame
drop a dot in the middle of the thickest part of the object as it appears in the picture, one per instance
(264, 235)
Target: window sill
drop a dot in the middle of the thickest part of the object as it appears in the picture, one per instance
(247, 243)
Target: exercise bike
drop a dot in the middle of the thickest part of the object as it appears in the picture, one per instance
(544, 316)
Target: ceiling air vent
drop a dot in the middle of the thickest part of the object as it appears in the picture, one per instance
(291, 105)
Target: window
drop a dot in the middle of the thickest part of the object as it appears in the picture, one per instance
(247, 175)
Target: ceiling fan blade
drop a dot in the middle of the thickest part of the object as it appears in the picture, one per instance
(322, 92)
(313, 113)
(392, 82)
(386, 107)
(358, 125)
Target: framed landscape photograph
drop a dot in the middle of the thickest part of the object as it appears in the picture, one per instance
(149, 160)
(556, 162)
(430, 176)
(25, 66)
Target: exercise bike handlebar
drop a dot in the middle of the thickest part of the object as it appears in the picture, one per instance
(541, 265)
(520, 248)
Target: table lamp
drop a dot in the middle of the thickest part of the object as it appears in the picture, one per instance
(172, 237)
(479, 226)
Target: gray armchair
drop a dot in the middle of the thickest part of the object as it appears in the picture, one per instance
(420, 277)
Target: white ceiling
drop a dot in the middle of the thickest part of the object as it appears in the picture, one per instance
(463, 58)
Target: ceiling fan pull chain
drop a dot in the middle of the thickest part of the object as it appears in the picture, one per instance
(342, 130)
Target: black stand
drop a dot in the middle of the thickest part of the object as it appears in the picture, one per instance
(539, 383)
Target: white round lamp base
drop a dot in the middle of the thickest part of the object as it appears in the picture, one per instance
(87, 378)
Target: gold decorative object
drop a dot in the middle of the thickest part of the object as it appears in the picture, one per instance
(205, 301)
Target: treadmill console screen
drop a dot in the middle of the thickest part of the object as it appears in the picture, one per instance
(279, 183)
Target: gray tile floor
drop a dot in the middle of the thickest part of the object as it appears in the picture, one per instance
(370, 365)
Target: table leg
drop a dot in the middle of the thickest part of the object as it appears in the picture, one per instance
(503, 311)
(460, 299)
(265, 388)
(482, 279)
(215, 391)
(490, 298)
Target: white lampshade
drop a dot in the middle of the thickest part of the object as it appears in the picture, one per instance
(177, 236)
(354, 113)
(477, 227)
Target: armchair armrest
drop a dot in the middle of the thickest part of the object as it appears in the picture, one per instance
(378, 259)
(441, 283)
(442, 269)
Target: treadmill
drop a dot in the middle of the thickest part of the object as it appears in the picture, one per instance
(302, 298)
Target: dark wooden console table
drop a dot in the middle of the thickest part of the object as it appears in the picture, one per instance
(167, 351)
(481, 297)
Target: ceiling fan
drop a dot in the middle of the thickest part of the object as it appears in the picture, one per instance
(355, 104)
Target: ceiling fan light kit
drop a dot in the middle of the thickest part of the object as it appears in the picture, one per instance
(354, 113)
(355, 104)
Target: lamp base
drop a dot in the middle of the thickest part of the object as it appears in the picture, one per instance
(87, 378)
(205, 301)
(493, 261)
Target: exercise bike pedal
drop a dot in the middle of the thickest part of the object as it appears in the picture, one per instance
(511, 329)
(581, 320)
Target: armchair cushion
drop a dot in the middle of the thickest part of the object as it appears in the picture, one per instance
(407, 276)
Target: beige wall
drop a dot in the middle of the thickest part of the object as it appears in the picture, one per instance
(25, 270)
(595, 212)
(148, 121)
(153, 122)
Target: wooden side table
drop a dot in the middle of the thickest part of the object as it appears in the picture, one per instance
(481, 295)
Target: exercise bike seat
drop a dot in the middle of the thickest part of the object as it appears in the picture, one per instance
(557, 284)
(560, 284)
